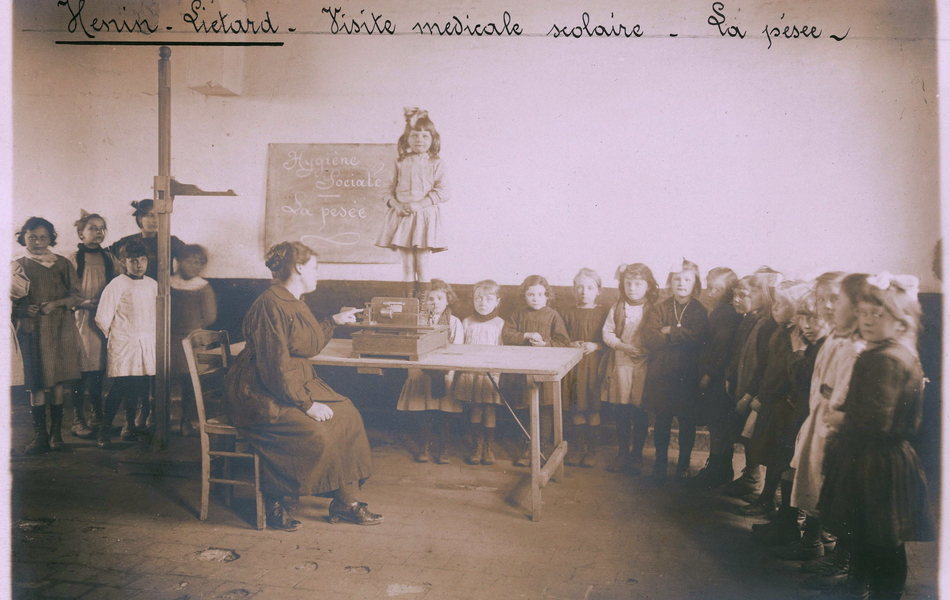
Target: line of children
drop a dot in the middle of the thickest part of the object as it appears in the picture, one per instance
(83, 318)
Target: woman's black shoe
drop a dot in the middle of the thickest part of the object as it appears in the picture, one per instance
(355, 513)
(278, 517)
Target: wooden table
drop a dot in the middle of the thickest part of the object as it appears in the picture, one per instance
(543, 367)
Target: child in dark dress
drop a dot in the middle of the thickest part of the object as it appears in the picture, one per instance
(773, 402)
(194, 307)
(875, 491)
(747, 367)
(717, 406)
(582, 385)
(673, 335)
(47, 330)
(536, 324)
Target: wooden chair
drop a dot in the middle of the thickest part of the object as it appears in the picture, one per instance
(209, 355)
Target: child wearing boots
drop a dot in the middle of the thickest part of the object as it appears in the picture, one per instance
(581, 387)
(424, 395)
(126, 316)
(47, 330)
(476, 389)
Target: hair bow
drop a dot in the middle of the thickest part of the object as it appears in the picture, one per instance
(413, 114)
(83, 214)
(620, 271)
(883, 281)
(677, 267)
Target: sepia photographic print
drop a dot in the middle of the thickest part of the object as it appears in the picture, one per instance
(474, 300)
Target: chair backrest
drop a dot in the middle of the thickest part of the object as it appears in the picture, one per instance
(208, 354)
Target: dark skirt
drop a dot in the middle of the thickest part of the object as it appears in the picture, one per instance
(767, 444)
(50, 347)
(875, 491)
(581, 387)
(300, 456)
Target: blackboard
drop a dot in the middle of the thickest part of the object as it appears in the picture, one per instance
(329, 196)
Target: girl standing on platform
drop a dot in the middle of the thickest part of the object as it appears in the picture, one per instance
(413, 224)
(476, 389)
(95, 267)
(424, 393)
(536, 324)
(194, 306)
(626, 365)
(47, 330)
(875, 492)
(582, 385)
(673, 335)
(126, 316)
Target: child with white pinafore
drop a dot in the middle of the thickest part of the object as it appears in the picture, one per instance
(127, 316)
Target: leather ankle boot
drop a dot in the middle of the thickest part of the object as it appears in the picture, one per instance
(55, 427)
(589, 460)
(488, 452)
(278, 514)
(40, 442)
(80, 428)
(478, 439)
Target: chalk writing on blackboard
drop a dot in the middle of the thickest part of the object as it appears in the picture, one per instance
(329, 196)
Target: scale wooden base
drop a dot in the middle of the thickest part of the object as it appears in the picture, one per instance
(410, 345)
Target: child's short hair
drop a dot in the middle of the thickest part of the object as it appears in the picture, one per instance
(686, 266)
(489, 286)
(142, 208)
(35, 223)
(728, 276)
(189, 250)
(134, 249)
(438, 285)
(585, 272)
(638, 271)
(532, 280)
(765, 280)
(84, 219)
(897, 294)
(418, 120)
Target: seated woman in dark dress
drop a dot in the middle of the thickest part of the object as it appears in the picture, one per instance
(310, 439)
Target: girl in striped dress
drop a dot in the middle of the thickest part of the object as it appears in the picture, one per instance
(47, 330)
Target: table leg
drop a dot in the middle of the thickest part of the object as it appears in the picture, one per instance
(535, 452)
(554, 389)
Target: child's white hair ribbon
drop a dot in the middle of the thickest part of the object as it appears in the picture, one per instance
(883, 281)
(413, 114)
(620, 270)
(677, 267)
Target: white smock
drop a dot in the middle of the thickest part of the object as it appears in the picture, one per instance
(126, 316)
